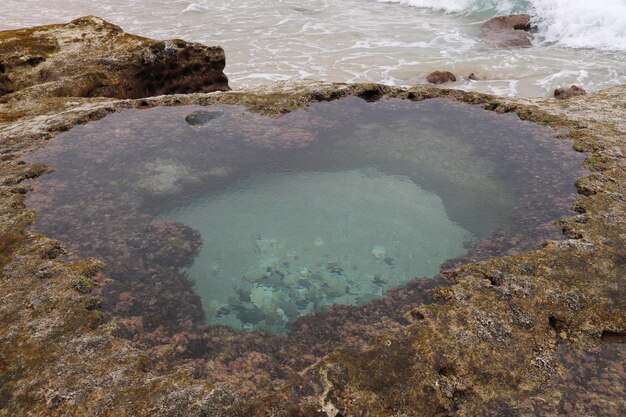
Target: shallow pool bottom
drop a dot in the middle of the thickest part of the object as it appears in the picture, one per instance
(221, 216)
(280, 246)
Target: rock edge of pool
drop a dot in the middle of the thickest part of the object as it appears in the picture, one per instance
(537, 333)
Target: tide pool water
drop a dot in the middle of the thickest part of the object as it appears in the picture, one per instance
(394, 42)
(252, 222)
(280, 246)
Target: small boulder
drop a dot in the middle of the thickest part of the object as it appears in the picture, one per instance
(202, 117)
(563, 93)
(508, 31)
(440, 77)
(89, 57)
(472, 77)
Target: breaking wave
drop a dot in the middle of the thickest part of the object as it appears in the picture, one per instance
(571, 23)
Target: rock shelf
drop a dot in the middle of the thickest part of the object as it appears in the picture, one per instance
(522, 334)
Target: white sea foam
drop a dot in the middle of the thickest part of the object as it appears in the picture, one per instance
(464, 6)
(571, 23)
(390, 41)
(452, 6)
(200, 6)
(582, 23)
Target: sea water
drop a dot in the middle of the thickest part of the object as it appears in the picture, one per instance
(395, 42)
(251, 221)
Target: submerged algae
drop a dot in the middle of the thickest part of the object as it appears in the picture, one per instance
(353, 175)
(280, 246)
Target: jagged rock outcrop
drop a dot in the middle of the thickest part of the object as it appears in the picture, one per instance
(508, 31)
(89, 57)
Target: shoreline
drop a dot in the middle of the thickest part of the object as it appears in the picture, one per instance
(365, 41)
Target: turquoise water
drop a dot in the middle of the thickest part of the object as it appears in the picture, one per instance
(279, 246)
(222, 216)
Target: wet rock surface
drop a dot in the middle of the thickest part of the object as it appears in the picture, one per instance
(521, 335)
(440, 77)
(508, 31)
(202, 117)
(565, 93)
(89, 57)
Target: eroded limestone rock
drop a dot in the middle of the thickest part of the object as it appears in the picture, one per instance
(89, 57)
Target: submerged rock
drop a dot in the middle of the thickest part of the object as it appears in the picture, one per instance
(379, 252)
(202, 117)
(508, 31)
(440, 77)
(89, 57)
(563, 93)
(263, 297)
(161, 176)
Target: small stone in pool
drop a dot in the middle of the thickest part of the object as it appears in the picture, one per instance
(222, 311)
(202, 117)
(379, 252)
(244, 295)
(334, 268)
(380, 281)
(250, 315)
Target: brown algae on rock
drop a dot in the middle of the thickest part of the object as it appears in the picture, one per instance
(335, 204)
(516, 335)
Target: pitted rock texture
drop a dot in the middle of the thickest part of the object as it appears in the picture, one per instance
(541, 333)
(89, 57)
(509, 336)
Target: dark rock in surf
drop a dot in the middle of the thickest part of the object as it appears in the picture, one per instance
(440, 77)
(508, 31)
(573, 91)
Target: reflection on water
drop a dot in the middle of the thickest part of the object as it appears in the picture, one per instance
(275, 218)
